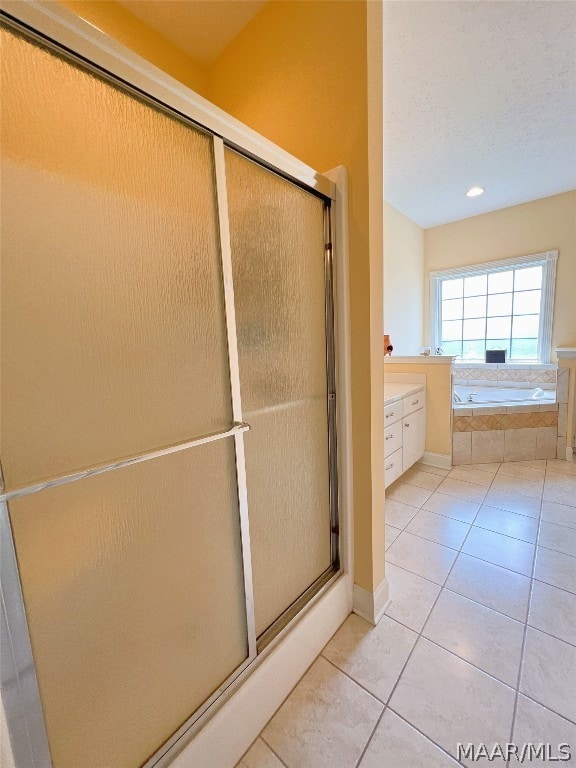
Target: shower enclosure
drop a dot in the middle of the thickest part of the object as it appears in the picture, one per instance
(169, 497)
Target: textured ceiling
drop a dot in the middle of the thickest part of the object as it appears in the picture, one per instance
(480, 93)
(201, 28)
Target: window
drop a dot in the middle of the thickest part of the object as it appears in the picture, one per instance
(498, 305)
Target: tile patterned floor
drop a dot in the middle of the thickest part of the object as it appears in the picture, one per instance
(478, 643)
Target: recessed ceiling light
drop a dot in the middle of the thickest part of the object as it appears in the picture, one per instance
(474, 191)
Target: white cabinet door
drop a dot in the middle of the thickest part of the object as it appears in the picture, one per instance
(413, 437)
(393, 467)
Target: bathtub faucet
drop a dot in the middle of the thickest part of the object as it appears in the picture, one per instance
(471, 395)
(456, 397)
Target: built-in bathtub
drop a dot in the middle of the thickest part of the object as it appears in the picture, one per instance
(470, 396)
(495, 424)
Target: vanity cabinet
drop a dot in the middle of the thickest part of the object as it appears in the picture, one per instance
(404, 430)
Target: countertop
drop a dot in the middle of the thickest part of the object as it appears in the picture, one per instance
(421, 359)
(396, 391)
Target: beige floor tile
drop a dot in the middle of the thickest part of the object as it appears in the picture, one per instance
(508, 484)
(411, 597)
(549, 672)
(452, 506)
(521, 470)
(372, 656)
(470, 475)
(462, 490)
(555, 568)
(557, 537)
(561, 514)
(451, 701)
(553, 611)
(513, 502)
(424, 558)
(501, 550)
(561, 481)
(560, 488)
(491, 467)
(535, 724)
(507, 523)
(398, 514)
(487, 639)
(439, 528)
(396, 744)
(325, 722)
(259, 756)
(490, 585)
(422, 479)
(558, 465)
(390, 534)
(408, 494)
(536, 463)
(433, 470)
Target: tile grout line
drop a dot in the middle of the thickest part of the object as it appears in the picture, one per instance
(419, 636)
(442, 749)
(272, 749)
(516, 692)
(523, 648)
(488, 562)
(483, 671)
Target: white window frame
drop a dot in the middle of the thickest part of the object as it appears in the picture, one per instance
(546, 260)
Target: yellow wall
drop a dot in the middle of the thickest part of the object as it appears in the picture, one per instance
(116, 21)
(403, 281)
(438, 401)
(297, 74)
(541, 225)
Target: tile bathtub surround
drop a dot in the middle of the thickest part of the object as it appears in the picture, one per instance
(488, 446)
(483, 423)
(477, 642)
(562, 385)
(505, 376)
(513, 436)
(462, 447)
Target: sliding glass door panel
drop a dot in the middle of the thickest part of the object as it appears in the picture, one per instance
(278, 262)
(113, 325)
(132, 583)
(288, 496)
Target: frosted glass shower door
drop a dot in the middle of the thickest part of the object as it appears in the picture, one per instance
(114, 345)
(278, 260)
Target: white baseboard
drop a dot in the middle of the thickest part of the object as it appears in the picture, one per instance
(371, 605)
(442, 460)
(227, 736)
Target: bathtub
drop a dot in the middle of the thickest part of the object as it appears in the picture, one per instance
(500, 396)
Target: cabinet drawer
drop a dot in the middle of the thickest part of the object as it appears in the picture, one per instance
(392, 438)
(392, 467)
(413, 402)
(392, 413)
